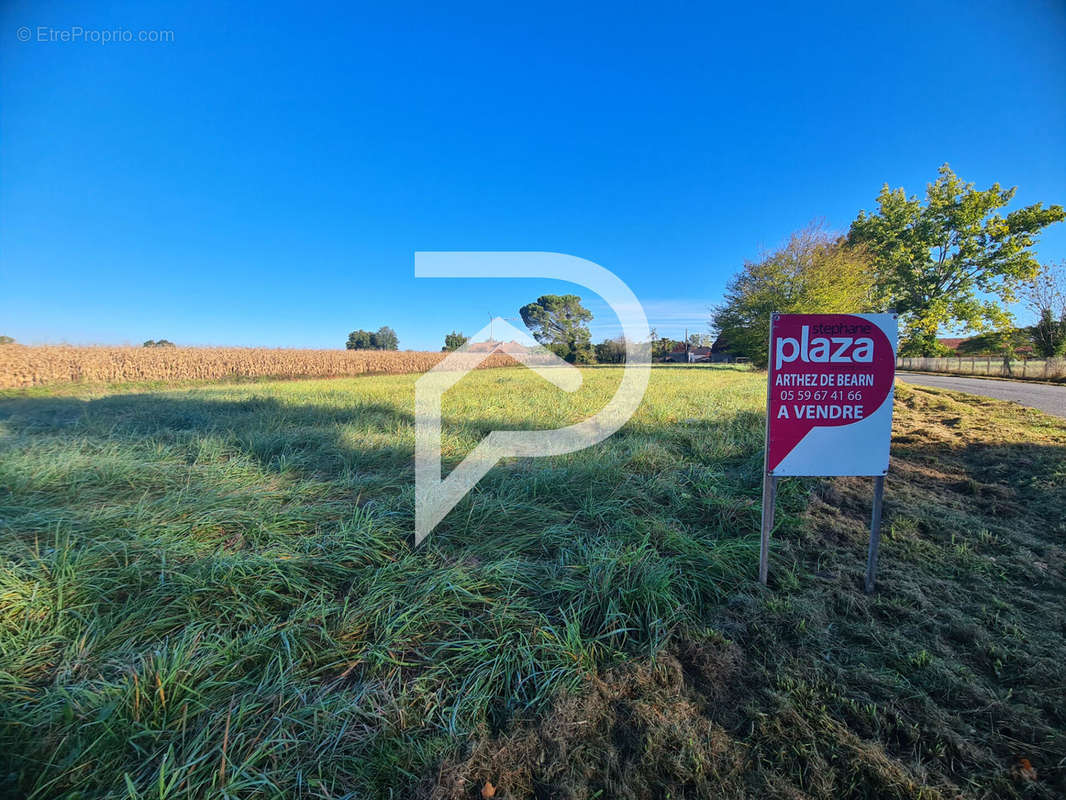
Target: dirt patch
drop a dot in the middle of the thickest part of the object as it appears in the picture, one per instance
(683, 726)
(638, 731)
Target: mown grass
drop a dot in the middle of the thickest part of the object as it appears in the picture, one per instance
(212, 593)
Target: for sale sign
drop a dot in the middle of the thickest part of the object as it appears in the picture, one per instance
(829, 407)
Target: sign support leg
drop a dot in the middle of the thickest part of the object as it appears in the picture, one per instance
(875, 534)
(769, 500)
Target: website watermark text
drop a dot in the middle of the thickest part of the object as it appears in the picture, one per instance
(77, 34)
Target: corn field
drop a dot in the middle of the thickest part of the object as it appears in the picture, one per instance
(23, 366)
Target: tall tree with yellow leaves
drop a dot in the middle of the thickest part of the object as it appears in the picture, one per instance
(814, 273)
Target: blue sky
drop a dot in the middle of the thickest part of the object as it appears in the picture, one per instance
(266, 177)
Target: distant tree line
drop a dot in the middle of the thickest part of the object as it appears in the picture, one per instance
(159, 343)
(560, 324)
(384, 338)
(610, 351)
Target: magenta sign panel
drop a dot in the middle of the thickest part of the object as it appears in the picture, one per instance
(829, 404)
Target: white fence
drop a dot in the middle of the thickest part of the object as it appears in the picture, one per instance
(996, 366)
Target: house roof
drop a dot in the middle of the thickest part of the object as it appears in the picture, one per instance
(492, 345)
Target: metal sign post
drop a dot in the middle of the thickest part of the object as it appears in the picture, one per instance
(769, 496)
(769, 500)
(875, 534)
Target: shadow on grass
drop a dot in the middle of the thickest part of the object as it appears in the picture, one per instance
(276, 434)
(693, 470)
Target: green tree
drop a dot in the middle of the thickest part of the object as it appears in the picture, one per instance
(611, 351)
(813, 273)
(559, 323)
(6, 340)
(159, 343)
(951, 262)
(384, 338)
(1046, 296)
(454, 340)
(1049, 335)
(359, 340)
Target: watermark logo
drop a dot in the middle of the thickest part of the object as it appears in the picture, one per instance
(434, 496)
(77, 34)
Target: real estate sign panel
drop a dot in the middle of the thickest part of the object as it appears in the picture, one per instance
(830, 391)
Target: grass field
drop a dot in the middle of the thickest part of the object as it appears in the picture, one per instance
(211, 593)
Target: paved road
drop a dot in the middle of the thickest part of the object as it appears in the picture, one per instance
(1051, 399)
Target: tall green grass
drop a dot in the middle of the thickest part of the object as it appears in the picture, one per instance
(213, 593)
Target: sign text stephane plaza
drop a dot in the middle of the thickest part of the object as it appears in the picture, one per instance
(829, 406)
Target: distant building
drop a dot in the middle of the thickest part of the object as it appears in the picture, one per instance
(688, 354)
(492, 345)
(698, 354)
